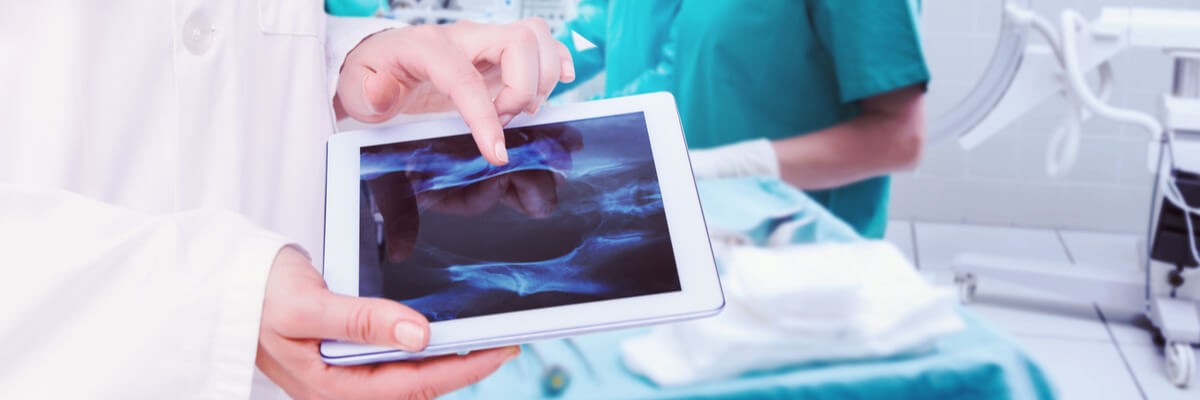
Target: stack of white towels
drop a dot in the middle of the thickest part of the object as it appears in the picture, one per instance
(800, 304)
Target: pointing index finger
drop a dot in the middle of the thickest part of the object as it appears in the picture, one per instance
(452, 73)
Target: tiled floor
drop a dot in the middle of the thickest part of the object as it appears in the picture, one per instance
(1089, 353)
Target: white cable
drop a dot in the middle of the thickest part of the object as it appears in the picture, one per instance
(1072, 21)
(1191, 236)
(1175, 196)
(1074, 77)
(1040, 24)
(1063, 151)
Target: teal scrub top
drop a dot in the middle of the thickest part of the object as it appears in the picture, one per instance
(634, 45)
(353, 8)
(762, 69)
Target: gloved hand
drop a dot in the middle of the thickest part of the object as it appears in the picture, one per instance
(743, 159)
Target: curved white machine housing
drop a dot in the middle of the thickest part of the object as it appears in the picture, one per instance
(1059, 68)
(1018, 81)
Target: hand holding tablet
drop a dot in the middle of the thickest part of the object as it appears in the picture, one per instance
(594, 224)
(297, 308)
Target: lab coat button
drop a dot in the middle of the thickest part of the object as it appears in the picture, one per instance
(197, 33)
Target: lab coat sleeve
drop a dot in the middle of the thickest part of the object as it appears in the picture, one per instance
(590, 22)
(342, 34)
(103, 302)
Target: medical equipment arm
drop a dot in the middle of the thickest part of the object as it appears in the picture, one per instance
(1079, 46)
(100, 301)
(1075, 48)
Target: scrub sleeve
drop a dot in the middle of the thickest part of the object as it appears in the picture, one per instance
(634, 45)
(875, 49)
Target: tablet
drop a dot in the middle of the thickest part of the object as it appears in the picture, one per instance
(594, 224)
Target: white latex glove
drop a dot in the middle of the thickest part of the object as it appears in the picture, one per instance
(743, 159)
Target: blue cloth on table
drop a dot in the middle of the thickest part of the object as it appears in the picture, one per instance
(755, 207)
(976, 363)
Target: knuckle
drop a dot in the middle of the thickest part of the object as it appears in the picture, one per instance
(466, 25)
(465, 80)
(537, 23)
(524, 96)
(546, 84)
(424, 32)
(359, 325)
(523, 35)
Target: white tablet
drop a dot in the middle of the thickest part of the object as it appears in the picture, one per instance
(594, 224)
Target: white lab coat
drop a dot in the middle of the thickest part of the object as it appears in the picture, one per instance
(154, 157)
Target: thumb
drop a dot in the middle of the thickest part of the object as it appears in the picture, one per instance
(374, 321)
(368, 94)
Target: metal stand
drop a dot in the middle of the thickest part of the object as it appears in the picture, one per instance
(1177, 318)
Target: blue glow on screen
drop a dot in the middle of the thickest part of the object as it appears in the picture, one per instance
(576, 216)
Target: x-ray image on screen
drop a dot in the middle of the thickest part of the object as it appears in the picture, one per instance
(575, 216)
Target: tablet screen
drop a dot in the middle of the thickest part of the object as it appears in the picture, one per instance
(575, 216)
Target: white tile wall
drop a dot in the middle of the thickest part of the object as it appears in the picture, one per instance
(1003, 181)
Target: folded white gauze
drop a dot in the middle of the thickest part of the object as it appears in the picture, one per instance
(800, 304)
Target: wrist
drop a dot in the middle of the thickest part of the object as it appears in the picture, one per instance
(743, 159)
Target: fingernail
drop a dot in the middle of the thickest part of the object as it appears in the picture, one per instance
(568, 74)
(501, 152)
(505, 119)
(513, 352)
(410, 336)
(386, 101)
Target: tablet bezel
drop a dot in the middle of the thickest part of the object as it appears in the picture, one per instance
(700, 292)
